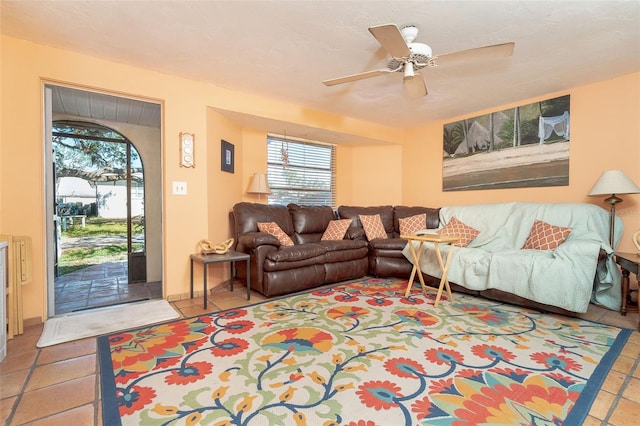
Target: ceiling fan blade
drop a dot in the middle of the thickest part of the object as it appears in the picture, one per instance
(478, 53)
(355, 77)
(391, 39)
(415, 86)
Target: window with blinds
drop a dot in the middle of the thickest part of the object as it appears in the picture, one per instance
(301, 172)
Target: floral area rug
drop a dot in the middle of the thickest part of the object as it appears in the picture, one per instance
(359, 353)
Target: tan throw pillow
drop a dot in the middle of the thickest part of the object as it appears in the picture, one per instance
(545, 237)
(412, 224)
(273, 229)
(336, 229)
(372, 226)
(465, 232)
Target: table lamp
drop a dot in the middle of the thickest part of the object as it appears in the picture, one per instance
(259, 185)
(613, 182)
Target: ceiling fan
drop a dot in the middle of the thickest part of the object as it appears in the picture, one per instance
(408, 57)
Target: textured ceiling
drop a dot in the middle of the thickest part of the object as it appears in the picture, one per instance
(285, 49)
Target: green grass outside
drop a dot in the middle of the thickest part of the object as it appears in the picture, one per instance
(95, 227)
(79, 258)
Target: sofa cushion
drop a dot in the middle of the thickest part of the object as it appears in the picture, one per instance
(544, 236)
(373, 227)
(456, 227)
(273, 229)
(354, 212)
(336, 230)
(400, 212)
(412, 224)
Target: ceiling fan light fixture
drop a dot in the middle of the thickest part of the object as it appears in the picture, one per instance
(408, 71)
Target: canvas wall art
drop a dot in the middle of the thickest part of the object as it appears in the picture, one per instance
(525, 146)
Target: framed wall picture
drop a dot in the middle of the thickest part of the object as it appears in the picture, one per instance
(522, 147)
(227, 156)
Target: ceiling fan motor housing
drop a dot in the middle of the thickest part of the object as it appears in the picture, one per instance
(421, 56)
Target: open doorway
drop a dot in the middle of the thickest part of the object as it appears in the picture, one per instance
(104, 242)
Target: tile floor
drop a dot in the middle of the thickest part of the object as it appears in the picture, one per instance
(59, 385)
(100, 285)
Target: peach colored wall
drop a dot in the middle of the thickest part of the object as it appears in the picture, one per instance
(605, 134)
(254, 160)
(26, 66)
(376, 175)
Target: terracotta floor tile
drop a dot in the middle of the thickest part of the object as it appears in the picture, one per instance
(614, 381)
(12, 383)
(632, 392)
(631, 350)
(192, 311)
(602, 404)
(61, 371)
(623, 364)
(22, 343)
(39, 404)
(626, 413)
(18, 361)
(6, 405)
(635, 338)
(225, 304)
(76, 416)
(67, 351)
(592, 421)
(33, 330)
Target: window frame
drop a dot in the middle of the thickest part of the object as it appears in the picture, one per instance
(304, 164)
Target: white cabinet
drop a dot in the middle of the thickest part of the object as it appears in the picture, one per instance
(3, 300)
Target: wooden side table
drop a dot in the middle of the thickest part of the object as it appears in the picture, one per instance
(630, 264)
(230, 256)
(436, 240)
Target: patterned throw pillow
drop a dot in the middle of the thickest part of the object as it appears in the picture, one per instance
(336, 229)
(545, 237)
(372, 225)
(465, 232)
(273, 229)
(412, 224)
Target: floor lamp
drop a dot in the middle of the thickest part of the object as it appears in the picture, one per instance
(613, 182)
(259, 185)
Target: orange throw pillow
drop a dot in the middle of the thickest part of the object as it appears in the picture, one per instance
(273, 229)
(336, 230)
(544, 236)
(412, 224)
(465, 232)
(372, 225)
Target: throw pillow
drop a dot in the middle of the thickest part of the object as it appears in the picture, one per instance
(373, 227)
(336, 229)
(275, 230)
(464, 231)
(412, 224)
(544, 236)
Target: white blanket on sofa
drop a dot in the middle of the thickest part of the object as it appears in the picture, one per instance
(568, 277)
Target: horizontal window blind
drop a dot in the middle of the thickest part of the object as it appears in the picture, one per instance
(300, 172)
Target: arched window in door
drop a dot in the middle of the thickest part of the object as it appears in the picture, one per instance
(99, 174)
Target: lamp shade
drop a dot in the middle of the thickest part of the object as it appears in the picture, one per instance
(259, 184)
(614, 182)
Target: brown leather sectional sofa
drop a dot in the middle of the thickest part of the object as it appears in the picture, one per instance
(277, 269)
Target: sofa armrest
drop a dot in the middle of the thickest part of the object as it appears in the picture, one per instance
(251, 240)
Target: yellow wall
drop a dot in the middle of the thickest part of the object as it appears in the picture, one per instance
(605, 135)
